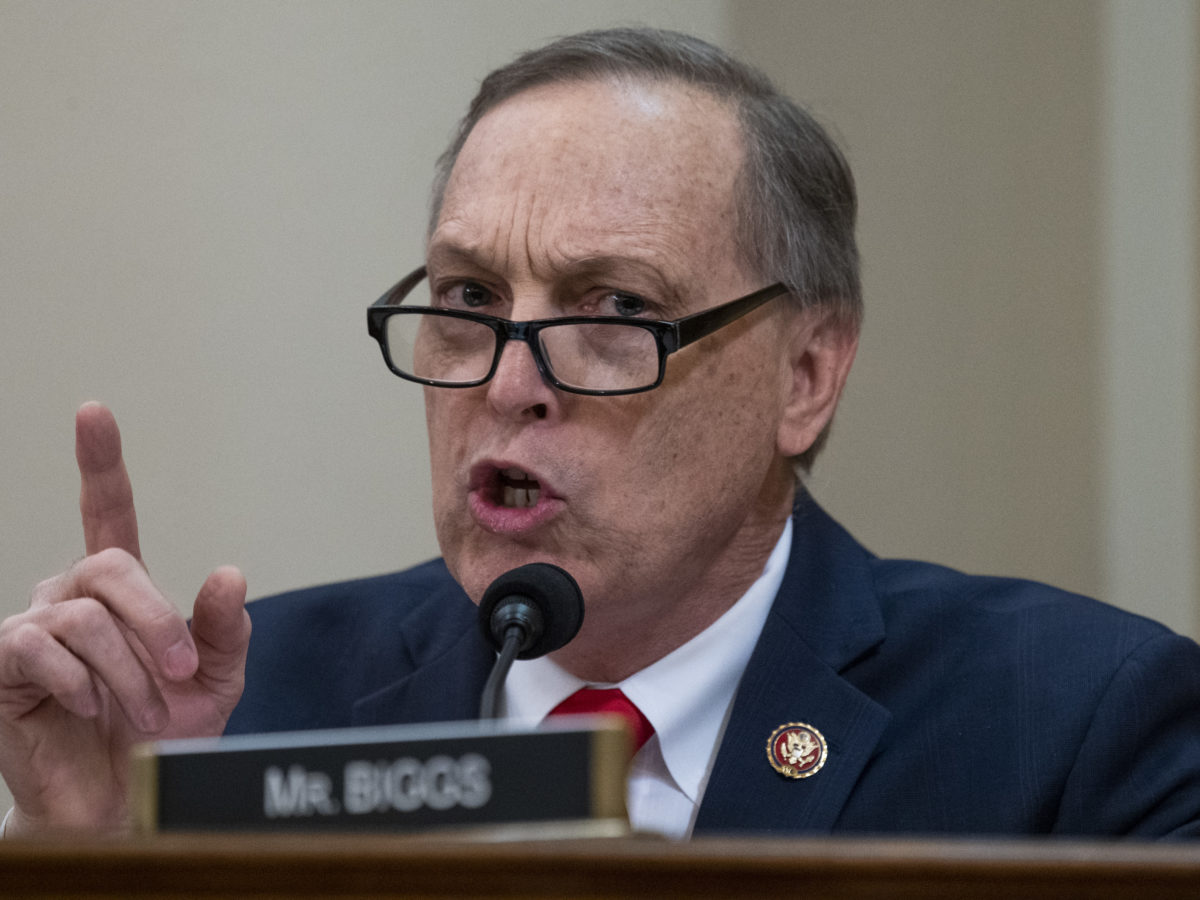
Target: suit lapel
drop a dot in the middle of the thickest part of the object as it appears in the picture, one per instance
(825, 617)
(442, 689)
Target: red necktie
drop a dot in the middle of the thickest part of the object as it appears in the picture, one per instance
(587, 701)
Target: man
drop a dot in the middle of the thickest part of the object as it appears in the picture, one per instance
(794, 682)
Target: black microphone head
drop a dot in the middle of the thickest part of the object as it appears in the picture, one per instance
(525, 594)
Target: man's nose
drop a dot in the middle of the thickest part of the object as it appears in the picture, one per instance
(517, 390)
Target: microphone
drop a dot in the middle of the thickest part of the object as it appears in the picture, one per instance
(527, 612)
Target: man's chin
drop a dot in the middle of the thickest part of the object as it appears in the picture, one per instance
(476, 571)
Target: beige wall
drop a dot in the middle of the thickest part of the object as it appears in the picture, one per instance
(198, 200)
(1151, 252)
(969, 434)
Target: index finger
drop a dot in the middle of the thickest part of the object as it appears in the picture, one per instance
(105, 494)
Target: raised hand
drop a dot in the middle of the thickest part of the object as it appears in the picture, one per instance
(101, 660)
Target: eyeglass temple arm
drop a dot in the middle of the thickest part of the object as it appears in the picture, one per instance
(691, 328)
(400, 289)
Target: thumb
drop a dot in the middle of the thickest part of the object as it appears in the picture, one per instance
(221, 632)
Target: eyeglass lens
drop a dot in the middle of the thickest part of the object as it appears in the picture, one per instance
(594, 356)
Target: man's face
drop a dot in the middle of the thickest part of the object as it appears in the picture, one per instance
(605, 199)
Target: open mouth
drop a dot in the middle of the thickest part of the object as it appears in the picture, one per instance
(507, 499)
(515, 489)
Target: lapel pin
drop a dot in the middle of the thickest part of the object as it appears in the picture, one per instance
(797, 750)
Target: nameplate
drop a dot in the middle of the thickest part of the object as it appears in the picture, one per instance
(395, 778)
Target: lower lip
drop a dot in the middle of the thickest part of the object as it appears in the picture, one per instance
(512, 520)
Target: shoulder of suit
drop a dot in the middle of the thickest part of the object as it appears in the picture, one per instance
(395, 592)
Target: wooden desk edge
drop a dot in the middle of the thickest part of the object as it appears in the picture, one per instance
(372, 865)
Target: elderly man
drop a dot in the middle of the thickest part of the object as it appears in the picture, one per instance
(637, 312)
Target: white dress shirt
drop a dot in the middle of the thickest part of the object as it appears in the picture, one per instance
(686, 695)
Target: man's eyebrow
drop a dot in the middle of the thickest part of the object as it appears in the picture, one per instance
(446, 254)
(618, 271)
(632, 274)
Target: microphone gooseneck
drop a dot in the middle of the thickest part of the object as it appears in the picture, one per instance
(527, 612)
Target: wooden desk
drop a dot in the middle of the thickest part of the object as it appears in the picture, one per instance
(347, 866)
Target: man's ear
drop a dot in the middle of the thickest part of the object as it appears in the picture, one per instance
(821, 350)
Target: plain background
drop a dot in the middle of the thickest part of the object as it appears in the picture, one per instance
(198, 200)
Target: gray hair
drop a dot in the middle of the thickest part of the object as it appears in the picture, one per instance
(796, 202)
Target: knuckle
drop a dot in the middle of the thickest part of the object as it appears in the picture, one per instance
(32, 666)
(51, 590)
(22, 639)
(43, 590)
(112, 562)
(84, 615)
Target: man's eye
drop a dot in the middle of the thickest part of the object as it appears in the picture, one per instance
(466, 295)
(474, 295)
(628, 305)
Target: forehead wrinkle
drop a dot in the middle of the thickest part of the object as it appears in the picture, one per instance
(668, 255)
(566, 201)
(544, 252)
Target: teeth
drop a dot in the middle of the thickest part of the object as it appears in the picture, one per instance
(517, 489)
(519, 497)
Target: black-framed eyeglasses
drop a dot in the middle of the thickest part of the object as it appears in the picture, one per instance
(594, 355)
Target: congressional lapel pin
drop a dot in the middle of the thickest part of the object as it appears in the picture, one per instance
(797, 750)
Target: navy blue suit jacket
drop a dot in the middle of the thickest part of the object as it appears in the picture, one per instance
(951, 704)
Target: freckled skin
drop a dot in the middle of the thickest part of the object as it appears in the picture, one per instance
(672, 499)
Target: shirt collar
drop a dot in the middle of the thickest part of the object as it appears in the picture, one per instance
(687, 694)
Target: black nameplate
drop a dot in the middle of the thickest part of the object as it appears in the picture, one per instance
(398, 778)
